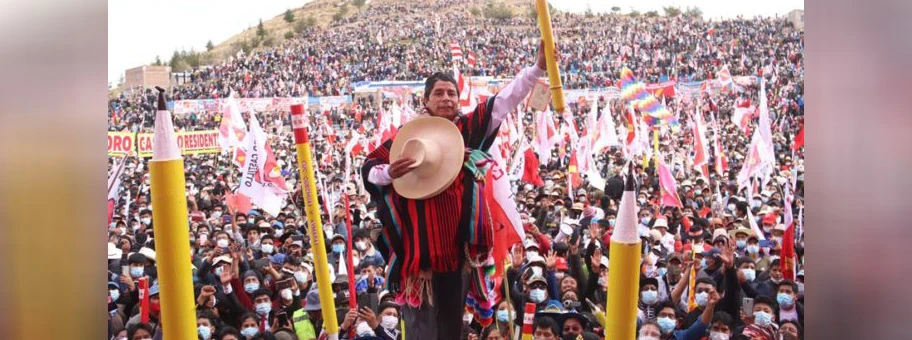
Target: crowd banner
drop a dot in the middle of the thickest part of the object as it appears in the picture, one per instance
(190, 142)
(481, 84)
(121, 143)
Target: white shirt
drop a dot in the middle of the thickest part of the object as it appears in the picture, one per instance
(505, 101)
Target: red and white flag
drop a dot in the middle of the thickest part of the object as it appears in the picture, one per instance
(456, 51)
(743, 114)
(530, 169)
(546, 135)
(114, 186)
(508, 228)
(471, 59)
(232, 129)
(258, 175)
(760, 159)
(467, 102)
(701, 147)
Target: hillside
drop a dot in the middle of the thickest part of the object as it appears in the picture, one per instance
(322, 14)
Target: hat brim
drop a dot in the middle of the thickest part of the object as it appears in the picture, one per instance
(429, 178)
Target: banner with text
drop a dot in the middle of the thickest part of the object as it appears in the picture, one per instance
(190, 142)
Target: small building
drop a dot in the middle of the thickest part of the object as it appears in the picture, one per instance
(796, 17)
(148, 77)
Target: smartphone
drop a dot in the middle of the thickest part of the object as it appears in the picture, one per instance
(282, 318)
(125, 270)
(203, 238)
(747, 306)
(370, 300)
(286, 283)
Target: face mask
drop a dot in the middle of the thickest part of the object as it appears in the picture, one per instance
(753, 249)
(602, 281)
(649, 297)
(531, 253)
(756, 204)
(644, 221)
(137, 272)
(718, 336)
(642, 201)
(763, 319)
(222, 243)
(219, 270)
(205, 332)
(389, 322)
(648, 338)
(146, 220)
(300, 277)
(115, 294)
(362, 246)
(666, 325)
(338, 248)
(662, 271)
(750, 274)
(263, 308)
(559, 275)
(611, 222)
(741, 244)
(785, 300)
(363, 329)
(135, 227)
(216, 214)
(731, 207)
(503, 315)
(537, 295)
(703, 263)
(267, 248)
(250, 287)
(702, 299)
(286, 294)
(249, 332)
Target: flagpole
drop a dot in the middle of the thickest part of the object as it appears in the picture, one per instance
(510, 324)
(166, 171)
(544, 25)
(314, 223)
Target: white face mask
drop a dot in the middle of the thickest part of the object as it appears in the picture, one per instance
(718, 336)
(389, 321)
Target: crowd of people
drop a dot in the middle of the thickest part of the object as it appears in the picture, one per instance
(254, 272)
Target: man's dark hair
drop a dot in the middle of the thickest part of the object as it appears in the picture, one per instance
(260, 292)
(789, 283)
(433, 79)
(774, 264)
(668, 304)
(765, 300)
(230, 330)
(706, 280)
(240, 214)
(144, 326)
(137, 258)
(742, 261)
(724, 318)
(797, 325)
(546, 322)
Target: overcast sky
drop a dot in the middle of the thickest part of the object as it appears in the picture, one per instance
(140, 30)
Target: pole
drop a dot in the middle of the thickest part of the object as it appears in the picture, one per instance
(352, 297)
(506, 285)
(544, 25)
(166, 171)
(528, 318)
(314, 223)
(624, 281)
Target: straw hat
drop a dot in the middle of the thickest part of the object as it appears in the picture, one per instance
(436, 146)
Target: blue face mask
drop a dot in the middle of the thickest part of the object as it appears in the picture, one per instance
(644, 221)
(649, 297)
(263, 308)
(784, 300)
(338, 248)
(537, 295)
(749, 274)
(137, 272)
(611, 222)
(249, 332)
(666, 325)
(115, 294)
(250, 287)
(205, 332)
(741, 244)
(763, 319)
(703, 263)
(503, 315)
(662, 271)
(753, 249)
(218, 271)
(702, 299)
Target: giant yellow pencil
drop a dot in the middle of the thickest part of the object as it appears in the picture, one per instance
(314, 223)
(624, 277)
(172, 243)
(544, 25)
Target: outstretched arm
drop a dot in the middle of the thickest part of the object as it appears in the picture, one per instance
(517, 90)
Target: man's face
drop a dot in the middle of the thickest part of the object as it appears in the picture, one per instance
(789, 328)
(572, 326)
(443, 100)
(786, 289)
(703, 287)
(776, 273)
(262, 299)
(721, 328)
(544, 334)
(568, 284)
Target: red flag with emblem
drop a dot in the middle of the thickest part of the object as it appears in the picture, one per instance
(573, 169)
